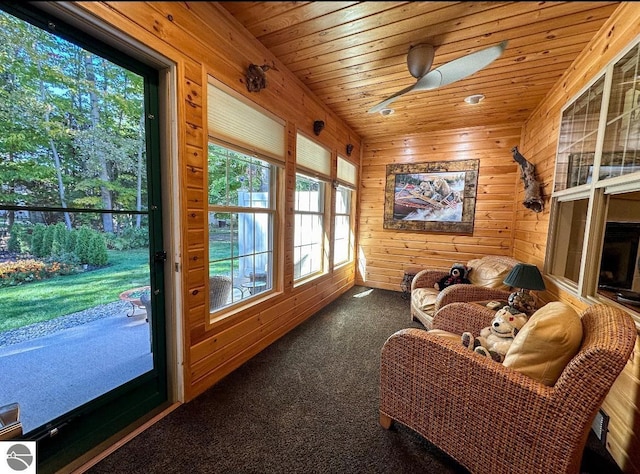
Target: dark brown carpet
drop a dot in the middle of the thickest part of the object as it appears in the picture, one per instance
(306, 404)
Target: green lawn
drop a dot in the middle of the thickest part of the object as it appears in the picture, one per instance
(222, 250)
(48, 299)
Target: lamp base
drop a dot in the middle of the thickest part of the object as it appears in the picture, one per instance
(522, 301)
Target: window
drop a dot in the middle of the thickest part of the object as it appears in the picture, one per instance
(241, 220)
(309, 249)
(308, 245)
(595, 224)
(342, 232)
(245, 158)
(343, 222)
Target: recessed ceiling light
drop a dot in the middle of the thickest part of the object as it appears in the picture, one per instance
(474, 99)
(386, 112)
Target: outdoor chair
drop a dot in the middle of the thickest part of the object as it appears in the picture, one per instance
(493, 418)
(220, 287)
(486, 275)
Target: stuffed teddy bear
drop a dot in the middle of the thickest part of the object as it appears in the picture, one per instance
(494, 341)
(457, 274)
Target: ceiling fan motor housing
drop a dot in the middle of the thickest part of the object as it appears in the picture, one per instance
(419, 59)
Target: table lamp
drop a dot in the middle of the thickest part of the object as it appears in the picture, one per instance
(526, 277)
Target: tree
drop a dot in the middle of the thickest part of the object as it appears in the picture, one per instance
(70, 127)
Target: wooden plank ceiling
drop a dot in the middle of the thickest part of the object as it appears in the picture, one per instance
(352, 55)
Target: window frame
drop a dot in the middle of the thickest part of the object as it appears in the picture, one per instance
(238, 138)
(273, 232)
(596, 190)
(323, 217)
(350, 217)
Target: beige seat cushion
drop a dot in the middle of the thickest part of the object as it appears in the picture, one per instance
(546, 343)
(447, 335)
(424, 299)
(488, 272)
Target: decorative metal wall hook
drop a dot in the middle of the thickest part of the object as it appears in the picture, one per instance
(256, 78)
(349, 149)
(318, 126)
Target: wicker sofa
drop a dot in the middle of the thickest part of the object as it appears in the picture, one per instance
(486, 275)
(493, 418)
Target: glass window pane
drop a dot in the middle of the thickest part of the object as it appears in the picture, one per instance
(622, 139)
(619, 274)
(577, 139)
(61, 145)
(240, 243)
(342, 241)
(343, 200)
(568, 243)
(236, 179)
(625, 87)
(342, 230)
(309, 194)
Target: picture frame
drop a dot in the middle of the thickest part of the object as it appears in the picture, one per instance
(438, 196)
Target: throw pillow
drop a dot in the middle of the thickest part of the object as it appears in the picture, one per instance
(424, 299)
(546, 343)
(488, 272)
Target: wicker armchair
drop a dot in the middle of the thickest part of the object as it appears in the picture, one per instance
(489, 417)
(220, 287)
(487, 284)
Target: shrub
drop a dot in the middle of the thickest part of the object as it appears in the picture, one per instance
(97, 250)
(70, 246)
(13, 244)
(37, 238)
(47, 240)
(129, 238)
(59, 241)
(82, 244)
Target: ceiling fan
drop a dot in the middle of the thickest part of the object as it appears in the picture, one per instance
(420, 58)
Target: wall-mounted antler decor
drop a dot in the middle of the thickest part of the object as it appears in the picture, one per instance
(256, 77)
(532, 195)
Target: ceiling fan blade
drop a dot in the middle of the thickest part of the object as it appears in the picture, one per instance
(388, 100)
(460, 68)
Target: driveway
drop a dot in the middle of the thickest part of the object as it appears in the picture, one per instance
(54, 373)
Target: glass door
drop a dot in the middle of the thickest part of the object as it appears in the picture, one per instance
(82, 342)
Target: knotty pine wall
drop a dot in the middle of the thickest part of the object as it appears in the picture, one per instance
(540, 136)
(202, 39)
(385, 253)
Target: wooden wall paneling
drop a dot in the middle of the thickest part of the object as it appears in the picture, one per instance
(388, 252)
(540, 135)
(292, 103)
(192, 159)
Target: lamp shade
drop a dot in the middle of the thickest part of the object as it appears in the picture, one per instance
(524, 275)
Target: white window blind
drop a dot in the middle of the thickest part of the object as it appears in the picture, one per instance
(346, 171)
(232, 120)
(313, 157)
